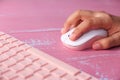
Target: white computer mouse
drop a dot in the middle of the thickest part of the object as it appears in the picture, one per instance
(85, 41)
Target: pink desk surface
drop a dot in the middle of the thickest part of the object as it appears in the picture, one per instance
(38, 23)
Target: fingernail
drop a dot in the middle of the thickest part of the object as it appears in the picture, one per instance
(72, 37)
(97, 46)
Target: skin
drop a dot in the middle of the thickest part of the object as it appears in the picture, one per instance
(85, 20)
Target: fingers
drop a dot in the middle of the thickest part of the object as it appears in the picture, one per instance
(71, 22)
(108, 42)
(81, 29)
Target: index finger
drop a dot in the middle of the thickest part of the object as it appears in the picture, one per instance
(71, 21)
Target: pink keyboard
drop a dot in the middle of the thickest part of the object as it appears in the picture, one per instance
(19, 61)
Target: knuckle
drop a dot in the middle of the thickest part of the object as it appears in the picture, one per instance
(89, 22)
(116, 39)
(77, 12)
(68, 23)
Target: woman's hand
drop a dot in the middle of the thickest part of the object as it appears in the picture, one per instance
(84, 20)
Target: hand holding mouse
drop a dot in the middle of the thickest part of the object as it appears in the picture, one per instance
(84, 21)
(85, 41)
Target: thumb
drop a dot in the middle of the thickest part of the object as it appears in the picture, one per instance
(107, 42)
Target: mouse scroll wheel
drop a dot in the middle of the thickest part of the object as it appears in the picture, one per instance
(69, 35)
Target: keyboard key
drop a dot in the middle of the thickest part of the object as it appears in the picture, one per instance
(25, 54)
(35, 68)
(10, 62)
(17, 50)
(43, 74)
(11, 53)
(70, 77)
(26, 73)
(4, 37)
(10, 46)
(49, 67)
(34, 77)
(25, 47)
(18, 43)
(18, 78)
(18, 67)
(84, 76)
(8, 37)
(3, 57)
(54, 78)
(41, 63)
(18, 57)
(33, 58)
(12, 40)
(4, 49)
(59, 73)
(10, 75)
(26, 62)
(3, 69)
(4, 42)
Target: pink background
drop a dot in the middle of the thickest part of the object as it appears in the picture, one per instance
(38, 23)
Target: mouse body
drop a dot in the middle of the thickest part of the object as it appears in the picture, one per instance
(85, 41)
